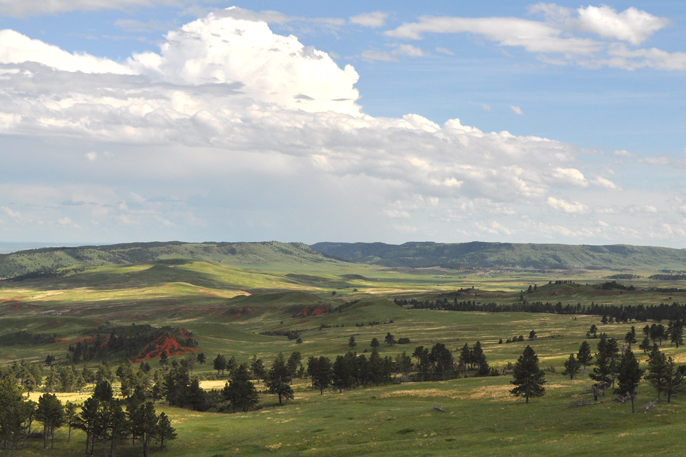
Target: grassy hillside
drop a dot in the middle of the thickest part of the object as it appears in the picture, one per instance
(44, 262)
(508, 255)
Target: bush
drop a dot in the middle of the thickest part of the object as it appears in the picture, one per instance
(403, 341)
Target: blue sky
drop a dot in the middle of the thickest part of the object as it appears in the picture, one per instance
(134, 120)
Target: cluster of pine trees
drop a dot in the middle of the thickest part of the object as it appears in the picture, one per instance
(640, 313)
(104, 419)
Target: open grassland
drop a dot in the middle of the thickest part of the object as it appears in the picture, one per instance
(229, 307)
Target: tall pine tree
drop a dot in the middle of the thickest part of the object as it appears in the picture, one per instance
(528, 377)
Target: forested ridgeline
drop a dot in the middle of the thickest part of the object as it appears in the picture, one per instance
(641, 312)
(56, 262)
(507, 255)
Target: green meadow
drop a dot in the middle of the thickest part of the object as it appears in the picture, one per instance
(229, 307)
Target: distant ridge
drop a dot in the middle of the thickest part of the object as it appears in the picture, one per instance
(508, 255)
(45, 261)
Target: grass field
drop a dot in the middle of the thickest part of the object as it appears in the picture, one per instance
(227, 307)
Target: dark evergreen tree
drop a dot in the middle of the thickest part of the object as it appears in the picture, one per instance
(403, 363)
(278, 379)
(629, 376)
(320, 371)
(144, 422)
(528, 377)
(164, 431)
(466, 357)
(389, 339)
(572, 366)
(677, 334)
(479, 359)
(351, 342)
(657, 371)
(294, 361)
(375, 343)
(219, 364)
(201, 358)
(584, 356)
(532, 335)
(645, 344)
(239, 391)
(69, 416)
(342, 373)
(674, 380)
(257, 368)
(630, 337)
(87, 421)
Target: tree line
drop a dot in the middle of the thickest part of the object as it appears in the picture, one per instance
(621, 313)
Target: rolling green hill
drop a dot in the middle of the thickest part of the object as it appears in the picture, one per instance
(44, 262)
(508, 255)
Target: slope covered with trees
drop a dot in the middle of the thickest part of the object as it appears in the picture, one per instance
(51, 262)
(507, 255)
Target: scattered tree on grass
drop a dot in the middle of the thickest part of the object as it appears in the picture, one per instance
(278, 379)
(629, 375)
(201, 358)
(351, 342)
(70, 416)
(592, 332)
(375, 343)
(657, 370)
(645, 344)
(294, 361)
(219, 364)
(584, 356)
(389, 339)
(572, 366)
(164, 430)
(532, 335)
(239, 391)
(257, 368)
(674, 380)
(630, 337)
(677, 334)
(528, 377)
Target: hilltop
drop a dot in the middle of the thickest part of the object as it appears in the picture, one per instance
(46, 262)
(508, 255)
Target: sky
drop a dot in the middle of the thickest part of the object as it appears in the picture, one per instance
(508, 121)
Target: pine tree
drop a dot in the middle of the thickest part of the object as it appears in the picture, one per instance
(278, 379)
(528, 377)
(466, 356)
(677, 334)
(257, 368)
(375, 343)
(584, 356)
(342, 376)
(572, 366)
(240, 392)
(629, 376)
(645, 344)
(164, 430)
(351, 342)
(532, 335)
(674, 380)
(219, 364)
(479, 359)
(51, 413)
(389, 339)
(657, 370)
(70, 416)
(320, 371)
